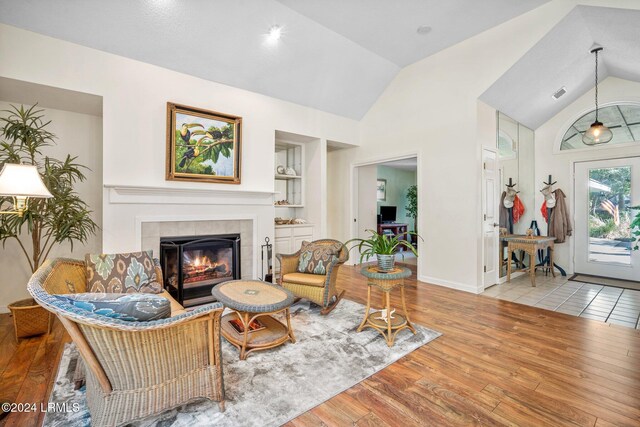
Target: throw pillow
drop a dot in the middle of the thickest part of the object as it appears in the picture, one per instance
(130, 307)
(122, 273)
(315, 258)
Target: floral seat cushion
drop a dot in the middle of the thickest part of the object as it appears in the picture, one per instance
(315, 258)
(129, 307)
(122, 273)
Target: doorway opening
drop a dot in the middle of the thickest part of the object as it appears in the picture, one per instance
(385, 200)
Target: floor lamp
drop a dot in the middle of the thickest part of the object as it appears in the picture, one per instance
(20, 182)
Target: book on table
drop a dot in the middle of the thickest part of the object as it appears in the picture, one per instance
(256, 325)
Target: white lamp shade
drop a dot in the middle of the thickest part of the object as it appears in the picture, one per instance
(22, 181)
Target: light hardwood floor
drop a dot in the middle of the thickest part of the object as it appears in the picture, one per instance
(498, 363)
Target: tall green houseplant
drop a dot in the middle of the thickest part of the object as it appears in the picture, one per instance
(47, 222)
(412, 206)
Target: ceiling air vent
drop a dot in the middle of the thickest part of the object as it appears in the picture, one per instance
(559, 93)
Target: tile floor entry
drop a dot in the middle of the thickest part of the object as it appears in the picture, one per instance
(604, 303)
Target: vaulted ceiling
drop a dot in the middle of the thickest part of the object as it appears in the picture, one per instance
(334, 55)
(562, 58)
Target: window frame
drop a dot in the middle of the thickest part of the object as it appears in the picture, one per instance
(574, 118)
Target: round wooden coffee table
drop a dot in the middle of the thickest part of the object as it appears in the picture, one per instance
(251, 325)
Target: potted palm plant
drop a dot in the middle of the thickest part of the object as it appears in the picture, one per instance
(45, 223)
(383, 246)
(412, 208)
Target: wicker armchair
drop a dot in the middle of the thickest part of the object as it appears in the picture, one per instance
(318, 288)
(136, 369)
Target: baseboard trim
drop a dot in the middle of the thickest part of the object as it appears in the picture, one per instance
(4, 309)
(449, 284)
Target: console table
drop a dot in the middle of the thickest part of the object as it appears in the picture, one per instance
(397, 229)
(530, 245)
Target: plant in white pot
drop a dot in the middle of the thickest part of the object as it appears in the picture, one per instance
(383, 246)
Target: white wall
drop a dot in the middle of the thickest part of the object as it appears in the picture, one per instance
(78, 135)
(134, 123)
(367, 202)
(560, 163)
(315, 210)
(431, 107)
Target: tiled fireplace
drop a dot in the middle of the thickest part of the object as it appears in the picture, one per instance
(205, 264)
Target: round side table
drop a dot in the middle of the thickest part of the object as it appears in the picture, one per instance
(250, 326)
(386, 282)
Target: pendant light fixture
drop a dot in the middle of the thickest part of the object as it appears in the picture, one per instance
(597, 132)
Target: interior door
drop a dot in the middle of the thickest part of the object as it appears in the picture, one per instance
(490, 213)
(367, 207)
(604, 191)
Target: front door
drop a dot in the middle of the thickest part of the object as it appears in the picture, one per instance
(604, 192)
(490, 213)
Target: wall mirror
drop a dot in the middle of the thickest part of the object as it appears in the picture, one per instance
(516, 162)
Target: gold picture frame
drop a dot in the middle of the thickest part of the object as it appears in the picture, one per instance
(202, 145)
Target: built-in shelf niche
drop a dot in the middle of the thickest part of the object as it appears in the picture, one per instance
(289, 155)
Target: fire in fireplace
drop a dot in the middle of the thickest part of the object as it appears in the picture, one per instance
(211, 266)
(192, 266)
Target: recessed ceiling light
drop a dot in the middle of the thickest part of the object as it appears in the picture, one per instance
(557, 94)
(423, 29)
(275, 32)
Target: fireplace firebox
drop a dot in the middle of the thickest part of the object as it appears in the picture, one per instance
(192, 266)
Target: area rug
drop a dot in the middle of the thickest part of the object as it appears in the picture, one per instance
(605, 281)
(274, 386)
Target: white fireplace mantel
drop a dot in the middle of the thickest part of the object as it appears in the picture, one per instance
(123, 194)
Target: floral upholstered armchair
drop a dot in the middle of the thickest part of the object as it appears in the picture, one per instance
(134, 369)
(312, 272)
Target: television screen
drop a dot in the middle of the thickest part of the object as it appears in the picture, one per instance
(388, 213)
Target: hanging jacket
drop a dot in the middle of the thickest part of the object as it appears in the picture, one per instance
(560, 221)
(504, 213)
(518, 209)
(544, 211)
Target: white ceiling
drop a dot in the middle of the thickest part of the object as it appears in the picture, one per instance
(562, 58)
(389, 28)
(336, 56)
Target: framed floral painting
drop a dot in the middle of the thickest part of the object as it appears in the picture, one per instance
(202, 146)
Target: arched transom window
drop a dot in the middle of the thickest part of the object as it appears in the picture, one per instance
(622, 119)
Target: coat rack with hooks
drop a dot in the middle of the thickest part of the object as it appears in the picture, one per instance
(510, 191)
(509, 195)
(511, 184)
(546, 262)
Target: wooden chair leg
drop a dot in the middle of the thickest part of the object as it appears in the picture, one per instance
(330, 307)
